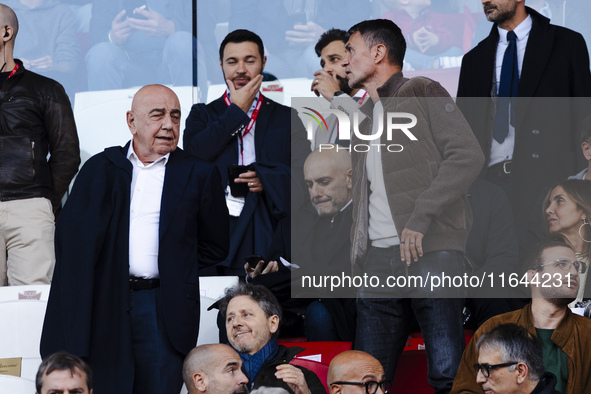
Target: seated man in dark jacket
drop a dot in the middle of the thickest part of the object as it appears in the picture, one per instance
(252, 315)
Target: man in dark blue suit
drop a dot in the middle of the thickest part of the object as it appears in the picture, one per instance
(140, 222)
(245, 128)
(538, 143)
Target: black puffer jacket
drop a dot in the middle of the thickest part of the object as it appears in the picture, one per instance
(36, 118)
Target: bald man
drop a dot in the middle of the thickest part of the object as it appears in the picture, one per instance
(214, 369)
(37, 119)
(354, 371)
(327, 172)
(140, 223)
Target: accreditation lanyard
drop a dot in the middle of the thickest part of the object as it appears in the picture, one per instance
(362, 99)
(16, 66)
(253, 119)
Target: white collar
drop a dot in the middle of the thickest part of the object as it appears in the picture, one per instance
(522, 30)
(133, 157)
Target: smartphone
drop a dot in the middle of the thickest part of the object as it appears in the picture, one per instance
(131, 5)
(254, 259)
(237, 189)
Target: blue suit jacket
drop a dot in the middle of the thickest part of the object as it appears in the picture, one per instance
(87, 307)
(280, 146)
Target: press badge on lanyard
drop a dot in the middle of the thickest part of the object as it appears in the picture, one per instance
(236, 204)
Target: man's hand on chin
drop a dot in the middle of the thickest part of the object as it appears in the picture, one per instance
(244, 96)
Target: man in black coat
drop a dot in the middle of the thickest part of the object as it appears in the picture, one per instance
(140, 223)
(541, 146)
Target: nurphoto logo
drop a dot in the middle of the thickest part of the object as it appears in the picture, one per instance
(395, 122)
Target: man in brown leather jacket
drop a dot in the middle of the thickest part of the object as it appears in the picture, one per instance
(564, 335)
(36, 120)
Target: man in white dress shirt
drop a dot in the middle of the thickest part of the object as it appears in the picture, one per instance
(140, 222)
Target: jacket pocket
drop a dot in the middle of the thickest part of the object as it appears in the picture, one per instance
(16, 161)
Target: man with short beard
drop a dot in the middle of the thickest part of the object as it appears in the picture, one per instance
(564, 336)
(331, 83)
(249, 138)
(528, 144)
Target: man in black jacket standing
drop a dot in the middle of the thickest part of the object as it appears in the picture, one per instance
(36, 119)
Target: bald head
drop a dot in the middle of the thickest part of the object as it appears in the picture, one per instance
(353, 366)
(213, 369)
(198, 360)
(327, 172)
(330, 155)
(154, 121)
(147, 94)
(8, 24)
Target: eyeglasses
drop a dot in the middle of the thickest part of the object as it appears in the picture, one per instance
(485, 368)
(371, 387)
(565, 264)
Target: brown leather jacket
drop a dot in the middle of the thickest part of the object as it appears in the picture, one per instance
(428, 180)
(572, 336)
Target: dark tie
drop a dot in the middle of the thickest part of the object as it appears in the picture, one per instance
(507, 89)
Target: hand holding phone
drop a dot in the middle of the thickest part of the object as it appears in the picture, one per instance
(256, 265)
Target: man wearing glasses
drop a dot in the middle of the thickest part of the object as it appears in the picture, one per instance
(510, 360)
(563, 335)
(354, 371)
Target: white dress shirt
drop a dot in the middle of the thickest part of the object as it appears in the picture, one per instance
(500, 152)
(144, 215)
(248, 146)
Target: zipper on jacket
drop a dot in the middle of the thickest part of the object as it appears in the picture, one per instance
(33, 149)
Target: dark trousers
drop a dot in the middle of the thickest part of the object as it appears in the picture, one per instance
(383, 324)
(158, 365)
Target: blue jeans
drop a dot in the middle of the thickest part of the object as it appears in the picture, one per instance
(383, 324)
(158, 365)
(319, 324)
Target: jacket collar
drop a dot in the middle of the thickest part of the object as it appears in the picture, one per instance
(538, 51)
(391, 86)
(562, 334)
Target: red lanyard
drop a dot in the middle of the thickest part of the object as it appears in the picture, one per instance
(253, 119)
(13, 71)
(362, 99)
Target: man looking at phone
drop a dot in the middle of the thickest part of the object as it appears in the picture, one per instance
(248, 137)
(135, 42)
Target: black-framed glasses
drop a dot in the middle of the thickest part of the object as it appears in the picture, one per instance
(371, 387)
(485, 368)
(565, 264)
